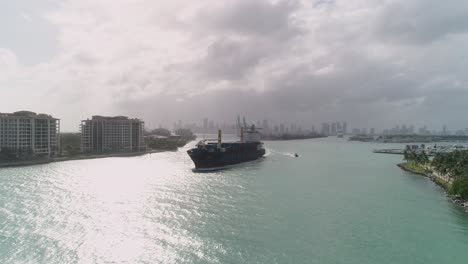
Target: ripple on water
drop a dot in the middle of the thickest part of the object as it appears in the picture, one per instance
(154, 209)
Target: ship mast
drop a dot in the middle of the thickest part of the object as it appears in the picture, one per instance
(238, 126)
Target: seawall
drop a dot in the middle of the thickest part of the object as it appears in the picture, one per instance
(78, 157)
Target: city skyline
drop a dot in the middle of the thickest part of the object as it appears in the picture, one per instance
(327, 128)
(330, 128)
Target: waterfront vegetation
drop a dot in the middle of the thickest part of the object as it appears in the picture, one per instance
(415, 162)
(159, 132)
(415, 159)
(70, 144)
(162, 139)
(70, 148)
(185, 134)
(414, 167)
(453, 166)
(12, 154)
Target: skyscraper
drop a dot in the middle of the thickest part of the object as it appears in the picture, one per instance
(333, 128)
(205, 125)
(325, 129)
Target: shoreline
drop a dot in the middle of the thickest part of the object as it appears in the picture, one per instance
(289, 139)
(439, 181)
(78, 157)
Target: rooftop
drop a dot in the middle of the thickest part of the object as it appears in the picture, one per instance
(27, 114)
(116, 118)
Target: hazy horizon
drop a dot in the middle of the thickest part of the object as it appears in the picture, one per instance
(370, 63)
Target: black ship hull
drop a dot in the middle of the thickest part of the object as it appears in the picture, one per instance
(211, 156)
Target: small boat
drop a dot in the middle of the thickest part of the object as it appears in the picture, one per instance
(295, 155)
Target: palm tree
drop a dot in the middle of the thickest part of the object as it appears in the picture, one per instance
(406, 155)
(423, 158)
(413, 157)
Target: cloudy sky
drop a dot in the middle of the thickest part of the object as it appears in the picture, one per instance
(372, 63)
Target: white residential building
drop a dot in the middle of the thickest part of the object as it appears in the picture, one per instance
(112, 134)
(26, 133)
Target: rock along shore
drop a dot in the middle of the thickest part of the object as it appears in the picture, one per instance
(441, 181)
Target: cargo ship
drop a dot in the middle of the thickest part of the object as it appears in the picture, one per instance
(212, 154)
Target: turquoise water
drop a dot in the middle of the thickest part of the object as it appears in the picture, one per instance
(337, 203)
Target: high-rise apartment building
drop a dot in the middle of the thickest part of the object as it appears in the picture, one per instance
(112, 134)
(25, 134)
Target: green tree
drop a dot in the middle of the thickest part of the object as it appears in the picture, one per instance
(406, 155)
(160, 132)
(455, 165)
(185, 133)
(422, 158)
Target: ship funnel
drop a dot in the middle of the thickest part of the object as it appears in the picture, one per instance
(219, 137)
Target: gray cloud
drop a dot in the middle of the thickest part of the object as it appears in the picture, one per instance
(255, 18)
(371, 63)
(420, 21)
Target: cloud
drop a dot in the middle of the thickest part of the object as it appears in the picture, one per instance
(26, 17)
(420, 21)
(369, 62)
(8, 63)
(256, 19)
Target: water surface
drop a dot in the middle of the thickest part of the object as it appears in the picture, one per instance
(337, 203)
